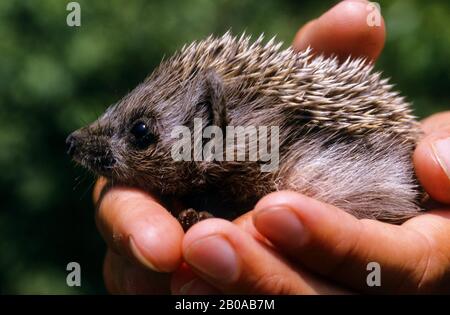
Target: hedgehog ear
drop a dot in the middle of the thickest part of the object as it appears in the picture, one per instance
(214, 99)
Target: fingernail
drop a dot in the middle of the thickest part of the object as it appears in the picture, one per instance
(197, 287)
(139, 256)
(215, 257)
(281, 226)
(441, 149)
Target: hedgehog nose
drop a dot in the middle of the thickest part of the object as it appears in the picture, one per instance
(71, 144)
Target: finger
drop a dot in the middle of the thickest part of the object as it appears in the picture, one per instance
(136, 226)
(99, 189)
(350, 28)
(432, 157)
(436, 122)
(231, 260)
(432, 164)
(124, 277)
(245, 223)
(335, 244)
(186, 282)
(110, 276)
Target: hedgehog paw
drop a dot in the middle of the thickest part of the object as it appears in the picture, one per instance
(189, 217)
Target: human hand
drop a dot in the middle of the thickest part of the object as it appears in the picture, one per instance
(144, 240)
(129, 271)
(414, 257)
(144, 245)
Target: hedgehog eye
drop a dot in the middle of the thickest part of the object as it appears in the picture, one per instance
(139, 130)
(142, 135)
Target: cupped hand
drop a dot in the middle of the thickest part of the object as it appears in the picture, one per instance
(292, 237)
(144, 240)
(129, 219)
(145, 243)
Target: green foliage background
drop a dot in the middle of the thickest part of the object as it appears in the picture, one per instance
(54, 79)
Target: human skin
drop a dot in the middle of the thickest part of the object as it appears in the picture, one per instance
(262, 251)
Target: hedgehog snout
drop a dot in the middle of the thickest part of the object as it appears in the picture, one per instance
(72, 142)
(91, 151)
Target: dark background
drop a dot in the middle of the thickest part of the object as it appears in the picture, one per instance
(55, 78)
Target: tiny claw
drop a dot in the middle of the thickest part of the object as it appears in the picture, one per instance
(189, 217)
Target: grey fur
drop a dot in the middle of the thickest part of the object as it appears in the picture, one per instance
(346, 137)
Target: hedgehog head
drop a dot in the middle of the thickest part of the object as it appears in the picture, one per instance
(132, 141)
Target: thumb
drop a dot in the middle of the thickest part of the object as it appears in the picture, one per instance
(432, 157)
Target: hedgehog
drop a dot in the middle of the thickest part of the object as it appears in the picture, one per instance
(343, 135)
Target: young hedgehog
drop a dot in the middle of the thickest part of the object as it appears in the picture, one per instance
(345, 137)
